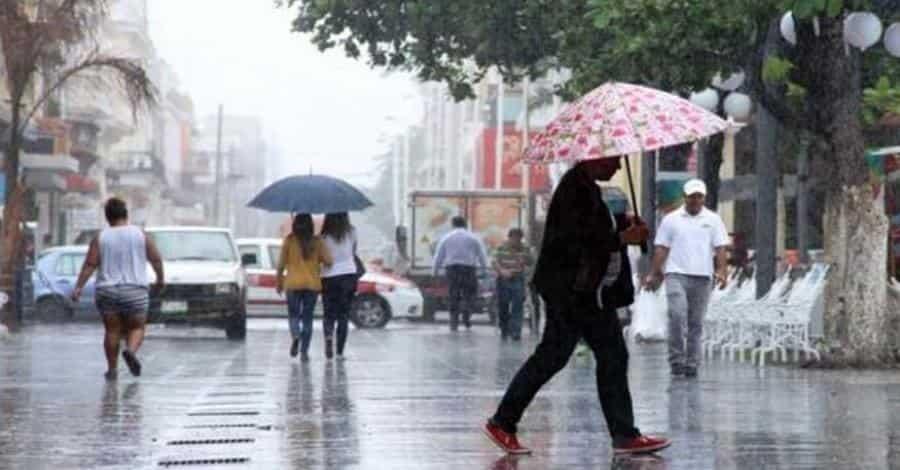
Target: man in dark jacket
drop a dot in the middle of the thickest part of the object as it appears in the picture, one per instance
(583, 275)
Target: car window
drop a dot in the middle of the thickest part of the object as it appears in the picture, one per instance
(274, 254)
(69, 264)
(251, 250)
(183, 245)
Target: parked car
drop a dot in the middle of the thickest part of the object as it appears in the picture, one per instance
(205, 282)
(54, 277)
(380, 296)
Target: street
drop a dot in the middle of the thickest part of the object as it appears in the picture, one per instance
(411, 396)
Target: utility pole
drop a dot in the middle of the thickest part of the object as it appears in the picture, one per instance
(217, 203)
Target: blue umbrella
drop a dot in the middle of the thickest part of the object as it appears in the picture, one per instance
(310, 194)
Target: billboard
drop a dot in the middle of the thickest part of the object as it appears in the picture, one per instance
(511, 169)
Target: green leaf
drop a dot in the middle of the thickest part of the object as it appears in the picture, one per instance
(795, 91)
(602, 20)
(776, 69)
(883, 84)
(834, 8)
(804, 9)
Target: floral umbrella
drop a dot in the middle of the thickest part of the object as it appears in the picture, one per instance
(618, 119)
(621, 119)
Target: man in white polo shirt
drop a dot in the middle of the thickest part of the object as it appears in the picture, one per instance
(687, 242)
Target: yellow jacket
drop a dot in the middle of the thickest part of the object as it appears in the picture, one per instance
(302, 274)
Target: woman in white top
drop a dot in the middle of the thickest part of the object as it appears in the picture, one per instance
(339, 280)
(120, 255)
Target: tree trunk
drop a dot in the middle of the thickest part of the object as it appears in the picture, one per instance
(857, 320)
(11, 248)
(802, 198)
(766, 229)
(712, 164)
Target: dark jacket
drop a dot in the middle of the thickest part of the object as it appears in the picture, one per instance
(578, 239)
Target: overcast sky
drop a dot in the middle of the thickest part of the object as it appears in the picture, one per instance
(323, 111)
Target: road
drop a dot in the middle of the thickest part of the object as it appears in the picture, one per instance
(411, 397)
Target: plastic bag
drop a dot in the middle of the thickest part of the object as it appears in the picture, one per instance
(650, 320)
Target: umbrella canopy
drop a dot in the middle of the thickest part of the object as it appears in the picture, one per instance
(310, 194)
(621, 119)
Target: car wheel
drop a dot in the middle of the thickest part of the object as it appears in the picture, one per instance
(236, 327)
(370, 311)
(54, 309)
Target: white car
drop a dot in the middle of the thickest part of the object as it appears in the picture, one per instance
(205, 283)
(380, 296)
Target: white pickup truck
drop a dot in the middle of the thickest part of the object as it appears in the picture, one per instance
(205, 282)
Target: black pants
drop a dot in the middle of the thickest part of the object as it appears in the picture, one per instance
(603, 333)
(337, 299)
(463, 283)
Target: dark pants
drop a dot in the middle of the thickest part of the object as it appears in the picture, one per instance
(510, 300)
(463, 283)
(337, 297)
(603, 333)
(301, 304)
(535, 309)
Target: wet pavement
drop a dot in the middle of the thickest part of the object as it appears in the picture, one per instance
(411, 397)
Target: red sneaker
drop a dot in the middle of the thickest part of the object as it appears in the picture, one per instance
(642, 445)
(504, 440)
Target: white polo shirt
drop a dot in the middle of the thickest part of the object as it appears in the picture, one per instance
(691, 240)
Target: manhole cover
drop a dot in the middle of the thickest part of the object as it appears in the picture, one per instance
(224, 413)
(220, 426)
(201, 442)
(215, 461)
(233, 394)
(229, 403)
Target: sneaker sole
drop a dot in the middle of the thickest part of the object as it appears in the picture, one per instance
(643, 450)
(502, 447)
(134, 365)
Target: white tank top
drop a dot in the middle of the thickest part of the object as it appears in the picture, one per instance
(123, 257)
(341, 254)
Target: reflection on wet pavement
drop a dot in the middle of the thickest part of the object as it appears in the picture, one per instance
(412, 396)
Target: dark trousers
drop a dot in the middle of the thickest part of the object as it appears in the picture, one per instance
(603, 333)
(510, 301)
(463, 283)
(301, 305)
(337, 298)
(535, 309)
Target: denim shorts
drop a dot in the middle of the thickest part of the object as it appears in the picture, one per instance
(123, 300)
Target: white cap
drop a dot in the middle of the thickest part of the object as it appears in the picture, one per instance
(694, 186)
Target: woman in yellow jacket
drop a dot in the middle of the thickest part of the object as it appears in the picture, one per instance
(302, 255)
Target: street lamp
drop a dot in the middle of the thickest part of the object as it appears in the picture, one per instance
(788, 28)
(738, 106)
(892, 40)
(707, 99)
(862, 29)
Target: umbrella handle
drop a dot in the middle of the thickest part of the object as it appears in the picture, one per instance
(645, 248)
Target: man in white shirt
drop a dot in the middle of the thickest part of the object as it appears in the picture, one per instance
(460, 253)
(686, 242)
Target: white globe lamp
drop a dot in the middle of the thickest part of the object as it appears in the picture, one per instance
(862, 29)
(892, 40)
(788, 30)
(733, 82)
(707, 99)
(738, 106)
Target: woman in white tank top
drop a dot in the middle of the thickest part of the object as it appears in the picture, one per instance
(120, 255)
(339, 280)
